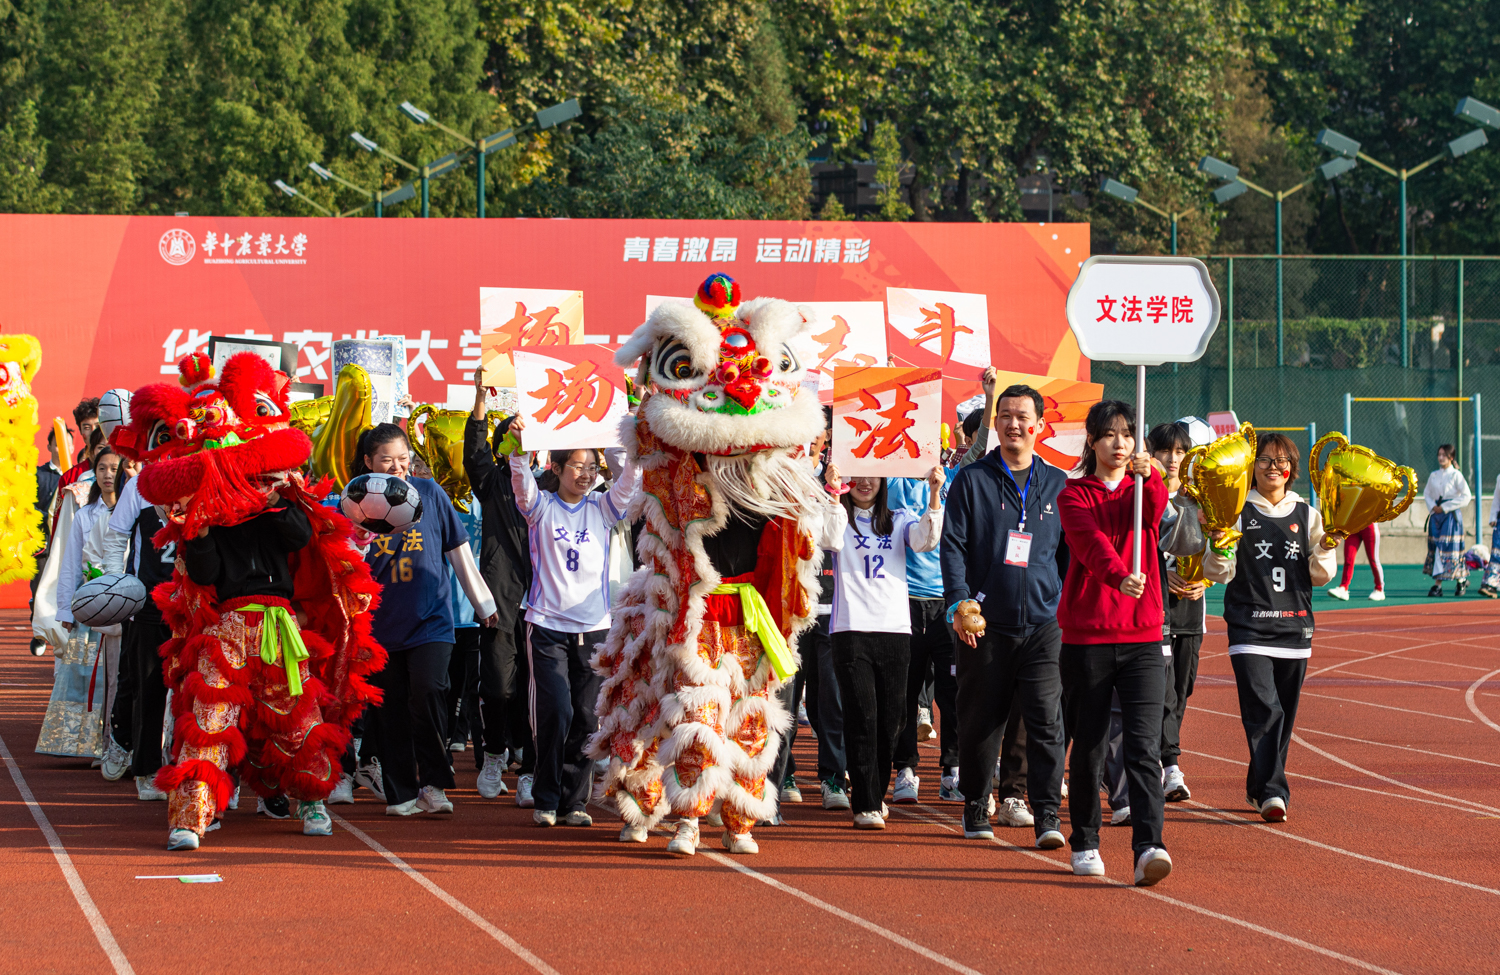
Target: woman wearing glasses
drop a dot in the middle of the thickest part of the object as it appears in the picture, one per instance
(567, 616)
(1270, 574)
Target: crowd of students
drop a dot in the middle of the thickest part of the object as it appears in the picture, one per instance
(1078, 681)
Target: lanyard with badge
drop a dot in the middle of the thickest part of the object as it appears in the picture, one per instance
(1018, 540)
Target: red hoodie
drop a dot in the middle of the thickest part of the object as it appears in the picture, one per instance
(1099, 525)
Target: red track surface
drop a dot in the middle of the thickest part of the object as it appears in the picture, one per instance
(1390, 860)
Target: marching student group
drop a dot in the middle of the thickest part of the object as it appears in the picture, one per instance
(644, 628)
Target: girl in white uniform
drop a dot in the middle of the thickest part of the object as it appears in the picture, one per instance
(567, 616)
(871, 631)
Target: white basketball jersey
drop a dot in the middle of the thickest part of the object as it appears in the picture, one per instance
(869, 577)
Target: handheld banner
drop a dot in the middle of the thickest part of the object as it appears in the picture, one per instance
(887, 421)
(953, 325)
(513, 318)
(849, 334)
(1061, 438)
(573, 396)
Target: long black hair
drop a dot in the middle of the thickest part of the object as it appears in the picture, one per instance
(1100, 421)
(549, 480)
(94, 492)
(881, 519)
(377, 436)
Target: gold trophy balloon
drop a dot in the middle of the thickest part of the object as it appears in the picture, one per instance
(335, 423)
(1356, 487)
(1217, 477)
(438, 438)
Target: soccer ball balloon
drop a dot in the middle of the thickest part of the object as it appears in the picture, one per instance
(108, 599)
(114, 409)
(1199, 432)
(381, 503)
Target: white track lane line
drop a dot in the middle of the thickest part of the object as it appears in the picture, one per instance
(65, 863)
(1387, 779)
(1224, 816)
(1386, 707)
(1467, 810)
(1473, 705)
(514, 946)
(1374, 656)
(1362, 741)
(944, 821)
(1398, 680)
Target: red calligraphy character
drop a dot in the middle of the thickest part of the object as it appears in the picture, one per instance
(941, 324)
(580, 393)
(886, 438)
(1182, 310)
(1156, 308)
(1130, 309)
(833, 341)
(526, 329)
(1106, 310)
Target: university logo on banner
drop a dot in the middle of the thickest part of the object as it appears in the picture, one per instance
(952, 325)
(514, 318)
(849, 334)
(177, 246)
(573, 396)
(887, 420)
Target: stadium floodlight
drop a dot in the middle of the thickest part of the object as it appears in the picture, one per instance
(414, 113)
(1337, 143)
(558, 114)
(1130, 194)
(1229, 191)
(1476, 111)
(292, 192)
(284, 188)
(1119, 190)
(1219, 168)
(321, 172)
(1336, 167)
(368, 145)
(1467, 143)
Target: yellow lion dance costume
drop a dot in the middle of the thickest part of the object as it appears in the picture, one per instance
(20, 522)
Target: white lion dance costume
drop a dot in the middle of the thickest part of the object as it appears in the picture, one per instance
(688, 711)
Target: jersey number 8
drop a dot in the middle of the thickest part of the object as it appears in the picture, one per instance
(572, 558)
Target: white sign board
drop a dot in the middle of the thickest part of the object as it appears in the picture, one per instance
(1224, 423)
(1143, 311)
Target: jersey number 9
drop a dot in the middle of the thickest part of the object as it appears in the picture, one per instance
(1278, 579)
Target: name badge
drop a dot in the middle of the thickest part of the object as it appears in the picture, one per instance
(1017, 548)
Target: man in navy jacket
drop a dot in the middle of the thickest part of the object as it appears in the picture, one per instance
(1003, 547)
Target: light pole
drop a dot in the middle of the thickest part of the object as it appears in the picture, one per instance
(447, 163)
(292, 192)
(1347, 151)
(545, 119)
(1130, 194)
(380, 199)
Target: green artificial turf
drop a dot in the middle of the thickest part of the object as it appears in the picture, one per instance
(1404, 585)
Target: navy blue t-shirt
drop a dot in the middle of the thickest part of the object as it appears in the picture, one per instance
(415, 602)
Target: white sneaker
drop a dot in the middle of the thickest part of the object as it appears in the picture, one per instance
(634, 833)
(407, 808)
(234, 799)
(789, 790)
(715, 817)
(146, 790)
(907, 784)
(1152, 867)
(578, 818)
(685, 843)
(739, 842)
(1065, 788)
(315, 821)
(834, 796)
(431, 799)
(523, 792)
(544, 817)
(802, 717)
(1013, 812)
(1120, 817)
(1088, 863)
(948, 786)
(885, 811)
(1378, 595)
(182, 839)
(1174, 786)
(457, 747)
(924, 725)
(116, 762)
(1273, 810)
(369, 776)
(490, 784)
(990, 807)
(343, 793)
(1339, 592)
(869, 820)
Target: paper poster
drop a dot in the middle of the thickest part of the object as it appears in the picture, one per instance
(513, 318)
(399, 390)
(1065, 405)
(571, 395)
(886, 421)
(377, 357)
(461, 397)
(847, 333)
(282, 356)
(951, 325)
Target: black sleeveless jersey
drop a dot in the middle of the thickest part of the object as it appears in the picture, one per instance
(1268, 603)
(152, 565)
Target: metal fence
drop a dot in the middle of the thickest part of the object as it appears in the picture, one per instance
(1300, 334)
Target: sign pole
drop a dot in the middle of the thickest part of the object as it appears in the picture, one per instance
(1140, 482)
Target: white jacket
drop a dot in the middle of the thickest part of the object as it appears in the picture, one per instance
(1446, 484)
(1321, 561)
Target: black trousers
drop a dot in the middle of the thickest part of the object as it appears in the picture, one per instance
(413, 721)
(1005, 669)
(825, 708)
(1270, 689)
(143, 649)
(564, 690)
(872, 669)
(1182, 673)
(786, 763)
(121, 720)
(931, 649)
(503, 680)
(463, 685)
(1093, 673)
(1013, 767)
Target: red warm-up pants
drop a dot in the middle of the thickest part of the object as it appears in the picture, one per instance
(1370, 538)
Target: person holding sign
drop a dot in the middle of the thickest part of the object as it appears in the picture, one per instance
(567, 615)
(1111, 622)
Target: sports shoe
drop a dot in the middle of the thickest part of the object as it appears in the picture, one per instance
(685, 843)
(1152, 867)
(906, 787)
(544, 817)
(789, 790)
(578, 818)
(343, 793)
(182, 839)
(275, 807)
(741, 843)
(457, 747)
(989, 806)
(948, 786)
(38, 647)
(885, 811)
(1486, 590)
(715, 815)
(1461, 588)
(1013, 812)
(1120, 817)
(523, 792)
(775, 820)
(834, 796)
(1174, 787)
(431, 799)
(490, 784)
(1436, 590)
(407, 808)
(146, 790)
(1379, 594)
(924, 725)
(369, 776)
(234, 799)
(315, 820)
(1065, 787)
(868, 820)
(1273, 810)
(116, 762)
(1049, 832)
(976, 823)
(1339, 592)
(1087, 863)
(802, 717)
(634, 833)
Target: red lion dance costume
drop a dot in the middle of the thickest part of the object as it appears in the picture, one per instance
(689, 716)
(277, 707)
